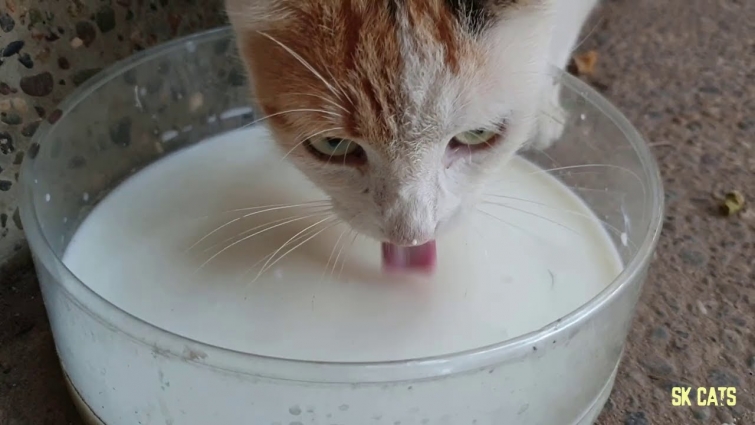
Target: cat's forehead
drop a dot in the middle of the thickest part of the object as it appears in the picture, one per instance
(378, 70)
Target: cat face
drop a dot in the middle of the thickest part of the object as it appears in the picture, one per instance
(400, 110)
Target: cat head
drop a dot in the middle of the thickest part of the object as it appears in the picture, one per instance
(400, 110)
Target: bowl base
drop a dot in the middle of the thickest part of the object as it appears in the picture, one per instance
(87, 415)
(588, 417)
(596, 407)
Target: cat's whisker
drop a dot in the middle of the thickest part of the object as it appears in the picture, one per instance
(304, 140)
(529, 201)
(236, 220)
(261, 100)
(291, 111)
(308, 238)
(351, 230)
(570, 171)
(267, 264)
(587, 36)
(323, 98)
(512, 225)
(302, 61)
(613, 229)
(549, 115)
(336, 148)
(347, 149)
(530, 213)
(483, 140)
(547, 155)
(253, 266)
(581, 166)
(207, 217)
(338, 256)
(340, 88)
(270, 255)
(326, 28)
(287, 220)
(245, 238)
(333, 251)
(580, 173)
(346, 257)
(514, 198)
(587, 141)
(340, 251)
(610, 166)
(596, 190)
(299, 140)
(465, 89)
(322, 202)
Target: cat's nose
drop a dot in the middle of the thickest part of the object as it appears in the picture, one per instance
(410, 229)
(407, 211)
(408, 239)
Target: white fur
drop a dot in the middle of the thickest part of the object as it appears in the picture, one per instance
(570, 18)
(409, 193)
(422, 194)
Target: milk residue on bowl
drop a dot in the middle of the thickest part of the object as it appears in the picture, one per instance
(153, 247)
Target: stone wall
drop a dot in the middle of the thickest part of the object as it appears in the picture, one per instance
(48, 48)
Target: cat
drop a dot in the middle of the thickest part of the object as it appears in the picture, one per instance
(401, 110)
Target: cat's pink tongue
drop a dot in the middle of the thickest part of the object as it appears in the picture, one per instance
(409, 258)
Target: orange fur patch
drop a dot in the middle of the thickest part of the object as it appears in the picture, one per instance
(353, 89)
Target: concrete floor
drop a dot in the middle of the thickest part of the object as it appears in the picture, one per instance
(684, 72)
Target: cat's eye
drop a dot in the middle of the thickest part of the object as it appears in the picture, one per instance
(473, 140)
(336, 149)
(475, 137)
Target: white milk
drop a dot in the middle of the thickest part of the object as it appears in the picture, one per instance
(500, 274)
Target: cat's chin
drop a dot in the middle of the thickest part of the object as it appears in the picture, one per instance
(419, 256)
(444, 226)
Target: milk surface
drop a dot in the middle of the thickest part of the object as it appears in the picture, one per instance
(153, 248)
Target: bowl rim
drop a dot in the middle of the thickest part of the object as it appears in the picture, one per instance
(170, 344)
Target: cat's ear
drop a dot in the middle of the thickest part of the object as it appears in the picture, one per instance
(479, 15)
(248, 18)
(254, 15)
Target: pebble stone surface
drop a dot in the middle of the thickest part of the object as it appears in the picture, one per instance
(681, 70)
(48, 48)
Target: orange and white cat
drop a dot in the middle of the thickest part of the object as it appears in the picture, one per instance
(400, 110)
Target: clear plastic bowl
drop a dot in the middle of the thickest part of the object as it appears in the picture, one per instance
(102, 135)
